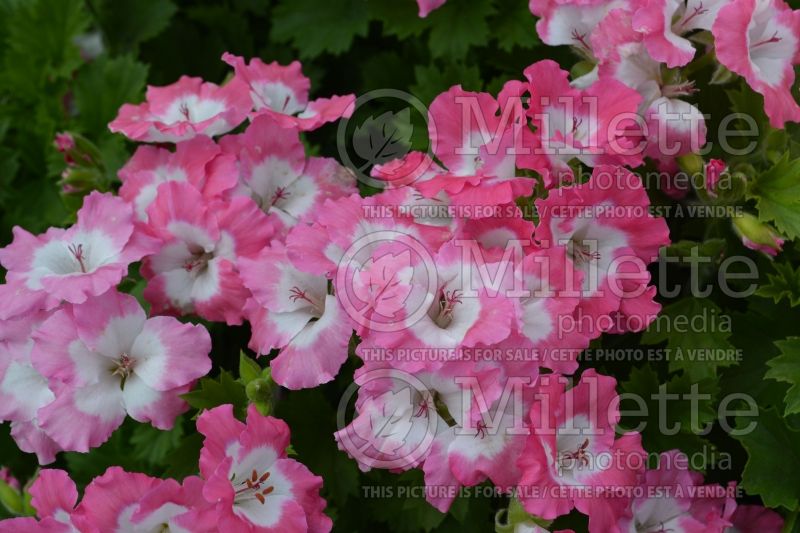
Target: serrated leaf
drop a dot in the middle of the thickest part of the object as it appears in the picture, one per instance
(400, 19)
(153, 445)
(697, 337)
(433, 79)
(458, 25)
(127, 23)
(383, 138)
(317, 26)
(773, 465)
(103, 86)
(786, 368)
(514, 27)
(783, 285)
(40, 44)
(713, 248)
(212, 392)
(248, 368)
(777, 196)
(672, 427)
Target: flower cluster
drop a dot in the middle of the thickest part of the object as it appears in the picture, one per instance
(247, 483)
(468, 285)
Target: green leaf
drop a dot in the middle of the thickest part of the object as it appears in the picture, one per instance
(127, 23)
(433, 79)
(784, 284)
(41, 48)
(400, 19)
(515, 27)
(153, 445)
(713, 248)
(773, 465)
(458, 25)
(670, 421)
(212, 392)
(103, 86)
(697, 337)
(777, 196)
(317, 26)
(786, 368)
(248, 368)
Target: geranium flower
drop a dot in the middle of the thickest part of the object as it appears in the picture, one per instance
(670, 503)
(195, 269)
(282, 93)
(610, 237)
(275, 173)
(104, 359)
(23, 390)
(198, 161)
(73, 264)
(180, 111)
(759, 39)
(250, 479)
(572, 446)
(293, 311)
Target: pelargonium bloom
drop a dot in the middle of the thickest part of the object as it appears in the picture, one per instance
(664, 22)
(126, 501)
(23, 390)
(275, 173)
(195, 269)
(104, 359)
(293, 311)
(54, 496)
(73, 264)
(180, 111)
(570, 22)
(248, 476)
(198, 161)
(572, 445)
(592, 125)
(282, 93)
(610, 235)
(755, 519)
(759, 39)
(671, 500)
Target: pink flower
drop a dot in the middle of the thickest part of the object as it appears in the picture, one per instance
(250, 479)
(671, 501)
(759, 41)
(276, 174)
(124, 501)
(664, 22)
(758, 236)
(23, 390)
(195, 270)
(570, 22)
(64, 141)
(53, 495)
(180, 111)
(611, 237)
(104, 359)
(198, 161)
(426, 6)
(282, 93)
(591, 125)
(755, 519)
(572, 446)
(72, 264)
(293, 311)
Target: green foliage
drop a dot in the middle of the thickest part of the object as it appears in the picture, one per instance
(212, 392)
(784, 284)
(697, 351)
(777, 196)
(786, 367)
(773, 467)
(314, 27)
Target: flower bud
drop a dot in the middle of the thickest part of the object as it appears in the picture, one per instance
(758, 236)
